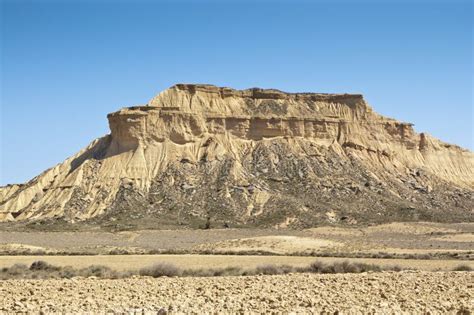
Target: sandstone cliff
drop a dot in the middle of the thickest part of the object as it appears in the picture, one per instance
(198, 153)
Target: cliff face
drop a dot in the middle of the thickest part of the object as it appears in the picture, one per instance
(199, 153)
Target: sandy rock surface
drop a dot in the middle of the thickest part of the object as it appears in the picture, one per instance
(403, 292)
(200, 154)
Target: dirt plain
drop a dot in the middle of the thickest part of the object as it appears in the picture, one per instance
(431, 249)
(394, 238)
(367, 293)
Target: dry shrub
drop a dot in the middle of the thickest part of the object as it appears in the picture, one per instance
(16, 270)
(67, 272)
(316, 267)
(161, 270)
(268, 270)
(98, 271)
(463, 268)
(343, 267)
(229, 271)
(42, 265)
(43, 270)
(212, 272)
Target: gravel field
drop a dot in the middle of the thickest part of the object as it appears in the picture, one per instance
(386, 292)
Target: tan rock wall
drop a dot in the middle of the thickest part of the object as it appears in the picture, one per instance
(200, 122)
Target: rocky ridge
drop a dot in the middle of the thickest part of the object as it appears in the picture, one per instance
(203, 155)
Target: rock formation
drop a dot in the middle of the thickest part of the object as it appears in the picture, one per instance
(200, 154)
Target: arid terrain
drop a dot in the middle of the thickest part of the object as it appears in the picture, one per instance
(215, 200)
(130, 262)
(427, 251)
(433, 240)
(380, 293)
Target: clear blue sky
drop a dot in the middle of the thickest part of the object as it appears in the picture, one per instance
(66, 64)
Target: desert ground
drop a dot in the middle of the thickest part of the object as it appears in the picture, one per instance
(375, 293)
(415, 238)
(132, 262)
(427, 253)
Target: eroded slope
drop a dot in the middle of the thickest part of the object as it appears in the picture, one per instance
(199, 153)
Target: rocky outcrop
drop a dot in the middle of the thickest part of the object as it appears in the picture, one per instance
(198, 153)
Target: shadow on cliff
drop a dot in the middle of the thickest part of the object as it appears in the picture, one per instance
(97, 151)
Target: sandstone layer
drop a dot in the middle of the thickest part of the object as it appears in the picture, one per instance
(367, 293)
(200, 153)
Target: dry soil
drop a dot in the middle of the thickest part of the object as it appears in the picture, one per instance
(376, 293)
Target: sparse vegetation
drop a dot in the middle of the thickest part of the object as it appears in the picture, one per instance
(347, 267)
(161, 270)
(274, 270)
(463, 268)
(467, 255)
(42, 265)
(380, 255)
(44, 270)
(213, 272)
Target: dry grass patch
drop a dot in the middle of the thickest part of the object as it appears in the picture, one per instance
(463, 268)
(44, 270)
(161, 270)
